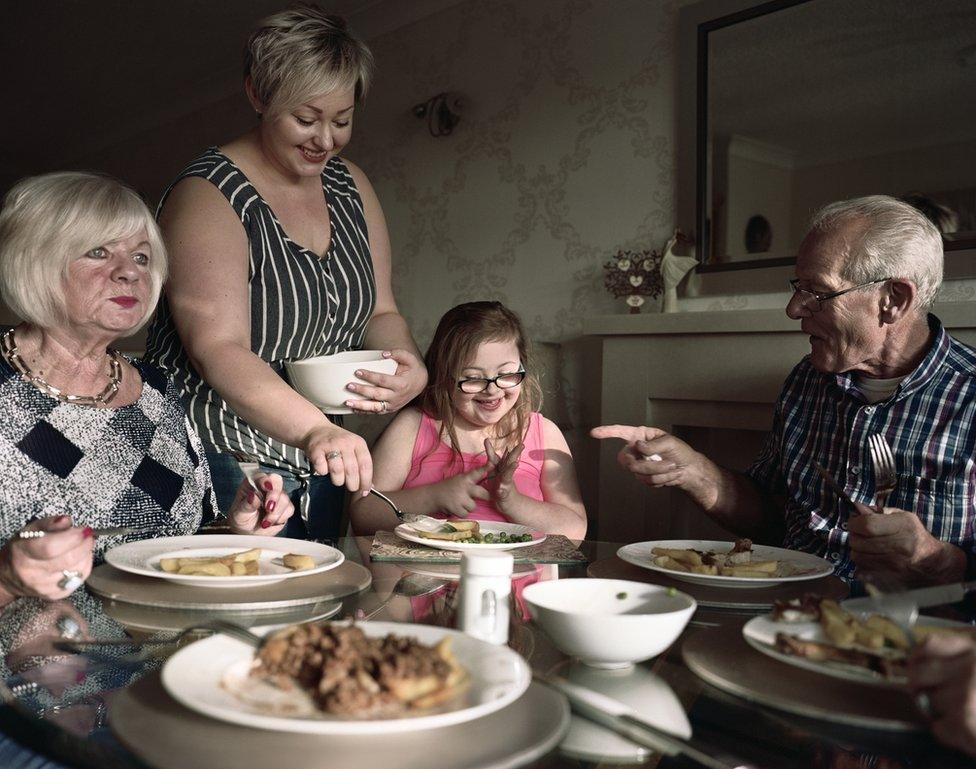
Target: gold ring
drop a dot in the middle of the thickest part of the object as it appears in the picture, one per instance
(385, 408)
(334, 454)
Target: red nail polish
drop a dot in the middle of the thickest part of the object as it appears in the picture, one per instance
(80, 676)
(265, 524)
(86, 532)
(268, 485)
(270, 506)
(59, 518)
(250, 497)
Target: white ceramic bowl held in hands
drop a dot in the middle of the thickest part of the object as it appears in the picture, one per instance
(323, 379)
(609, 623)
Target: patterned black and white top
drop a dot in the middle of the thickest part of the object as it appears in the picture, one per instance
(302, 304)
(137, 465)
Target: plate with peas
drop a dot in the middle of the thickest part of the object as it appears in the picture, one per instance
(482, 535)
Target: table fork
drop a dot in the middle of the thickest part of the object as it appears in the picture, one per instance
(883, 464)
(90, 647)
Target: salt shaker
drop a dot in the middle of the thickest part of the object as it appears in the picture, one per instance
(486, 586)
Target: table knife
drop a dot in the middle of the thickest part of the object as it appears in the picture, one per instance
(623, 720)
(923, 596)
(833, 485)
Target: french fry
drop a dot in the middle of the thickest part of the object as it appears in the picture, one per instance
(893, 634)
(247, 555)
(667, 562)
(767, 567)
(688, 557)
(214, 569)
(867, 636)
(171, 565)
(297, 562)
(238, 569)
(711, 569)
(837, 624)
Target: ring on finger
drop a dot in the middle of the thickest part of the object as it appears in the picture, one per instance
(334, 454)
(71, 580)
(384, 407)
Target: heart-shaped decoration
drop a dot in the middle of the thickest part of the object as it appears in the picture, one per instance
(646, 266)
(636, 280)
(623, 264)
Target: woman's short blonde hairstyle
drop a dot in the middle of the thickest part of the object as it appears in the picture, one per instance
(301, 53)
(48, 221)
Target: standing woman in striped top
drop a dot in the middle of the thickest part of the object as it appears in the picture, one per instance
(279, 251)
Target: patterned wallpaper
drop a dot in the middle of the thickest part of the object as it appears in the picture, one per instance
(563, 156)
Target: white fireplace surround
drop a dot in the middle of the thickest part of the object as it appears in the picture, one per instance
(713, 370)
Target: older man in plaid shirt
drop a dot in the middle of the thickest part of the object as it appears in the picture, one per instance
(866, 275)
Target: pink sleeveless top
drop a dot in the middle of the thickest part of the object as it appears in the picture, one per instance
(433, 460)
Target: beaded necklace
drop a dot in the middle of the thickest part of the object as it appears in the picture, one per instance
(10, 352)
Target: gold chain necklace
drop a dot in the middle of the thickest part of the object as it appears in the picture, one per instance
(9, 344)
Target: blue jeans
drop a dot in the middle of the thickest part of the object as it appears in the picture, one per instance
(325, 507)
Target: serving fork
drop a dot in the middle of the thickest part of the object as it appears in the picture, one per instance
(883, 464)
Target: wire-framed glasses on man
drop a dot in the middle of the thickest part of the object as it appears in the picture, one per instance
(813, 300)
(472, 385)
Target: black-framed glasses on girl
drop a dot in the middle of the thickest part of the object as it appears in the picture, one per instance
(473, 385)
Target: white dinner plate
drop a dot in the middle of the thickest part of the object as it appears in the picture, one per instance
(202, 675)
(760, 633)
(407, 532)
(794, 565)
(143, 557)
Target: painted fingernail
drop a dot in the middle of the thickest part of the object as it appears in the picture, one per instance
(250, 497)
(87, 532)
(268, 485)
(270, 506)
(80, 676)
(359, 373)
(59, 518)
(265, 524)
(387, 354)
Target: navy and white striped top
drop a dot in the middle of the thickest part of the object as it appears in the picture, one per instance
(930, 423)
(302, 304)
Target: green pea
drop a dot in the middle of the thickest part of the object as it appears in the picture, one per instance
(621, 596)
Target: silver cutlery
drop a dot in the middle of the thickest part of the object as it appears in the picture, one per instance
(115, 531)
(921, 597)
(883, 464)
(221, 626)
(412, 517)
(832, 484)
(623, 720)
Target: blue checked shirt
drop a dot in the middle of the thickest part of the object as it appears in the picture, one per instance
(930, 423)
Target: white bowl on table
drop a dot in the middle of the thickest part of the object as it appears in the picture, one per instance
(322, 380)
(609, 623)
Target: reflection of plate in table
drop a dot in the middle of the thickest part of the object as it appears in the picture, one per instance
(640, 689)
(795, 566)
(405, 531)
(151, 619)
(452, 571)
(143, 557)
(760, 633)
(195, 676)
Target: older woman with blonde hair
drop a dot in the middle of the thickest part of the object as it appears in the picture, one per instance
(280, 252)
(90, 438)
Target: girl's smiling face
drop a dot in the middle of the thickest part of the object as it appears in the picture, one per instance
(486, 409)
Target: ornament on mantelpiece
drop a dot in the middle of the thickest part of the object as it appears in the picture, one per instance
(633, 275)
(674, 268)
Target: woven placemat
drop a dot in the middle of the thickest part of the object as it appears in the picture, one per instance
(556, 548)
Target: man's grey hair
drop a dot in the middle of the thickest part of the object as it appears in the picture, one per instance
(896, 241)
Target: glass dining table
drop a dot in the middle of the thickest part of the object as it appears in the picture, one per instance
(101, 711)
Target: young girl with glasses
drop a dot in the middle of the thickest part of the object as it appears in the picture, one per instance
(474, 444)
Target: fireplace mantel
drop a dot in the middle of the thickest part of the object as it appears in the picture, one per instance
(698, 371)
